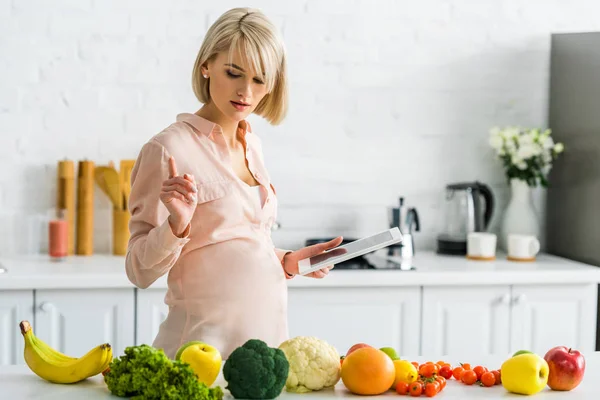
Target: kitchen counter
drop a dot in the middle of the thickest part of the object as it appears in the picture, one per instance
(18, 382)
(106, 271)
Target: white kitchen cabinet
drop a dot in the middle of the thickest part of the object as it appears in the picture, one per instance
(15, 306)
(459, 321)
(151, 312)
(74, 321)
(544, 316)
(346, 316)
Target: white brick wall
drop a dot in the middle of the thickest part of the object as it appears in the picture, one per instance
(388, 98)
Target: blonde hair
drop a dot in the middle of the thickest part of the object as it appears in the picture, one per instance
(259, 43)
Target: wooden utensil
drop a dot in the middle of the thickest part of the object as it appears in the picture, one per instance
(125, 172)
(65, 199)
(85, 208)
(108, 180)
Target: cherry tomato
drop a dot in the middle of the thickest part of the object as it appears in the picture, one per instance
(416, 364)
(479, 370)
(427, 370)
(431, 389)
(446, 372)
(402, 388)
(442, 382)
(456, 372)
(468, 377)
(488, 379)
(441, 363)
(497, 376)
(466, 365)
(415, 389)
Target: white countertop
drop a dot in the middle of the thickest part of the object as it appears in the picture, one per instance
(106, 271)
(18, 382)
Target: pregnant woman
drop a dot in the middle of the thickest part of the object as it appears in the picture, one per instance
(202, 203)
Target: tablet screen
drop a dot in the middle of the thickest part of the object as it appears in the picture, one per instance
(353, 247)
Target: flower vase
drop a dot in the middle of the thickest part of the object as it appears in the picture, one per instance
(520, 216)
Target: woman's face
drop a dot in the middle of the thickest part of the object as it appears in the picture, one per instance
(235, 89)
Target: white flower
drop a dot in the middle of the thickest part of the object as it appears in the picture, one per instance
(559, 148)
(510, 146)
(546, 158)
(496, 142)
(495, 131)
(525, 139)
(510, 132)
(526, 151)
(516, 159)
(547, 142)
(522, 165)
(545, 134)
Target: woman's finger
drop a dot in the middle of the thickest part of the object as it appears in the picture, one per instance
(190, 178)
(169, 196)
(318, 274)
(178, 188)
(331, 244)
(181, 181)
(335, 242)
(172, 167)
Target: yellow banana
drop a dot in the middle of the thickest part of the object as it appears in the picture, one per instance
(57, 367)
(52, 354)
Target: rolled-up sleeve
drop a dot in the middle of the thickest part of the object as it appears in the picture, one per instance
(153, 248)
(280, 254)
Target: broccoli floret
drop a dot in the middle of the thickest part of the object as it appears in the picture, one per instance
(256, 371)
(147, 373)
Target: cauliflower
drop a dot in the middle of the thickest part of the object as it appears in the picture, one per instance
(314, 364)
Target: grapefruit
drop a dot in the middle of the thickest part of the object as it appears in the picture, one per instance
(368, 371)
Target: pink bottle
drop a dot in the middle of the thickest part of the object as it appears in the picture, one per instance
(58, 236)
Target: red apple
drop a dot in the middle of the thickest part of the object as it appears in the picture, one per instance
(567, 367)
(356, 347)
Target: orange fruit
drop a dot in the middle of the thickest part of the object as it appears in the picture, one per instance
(368, 371)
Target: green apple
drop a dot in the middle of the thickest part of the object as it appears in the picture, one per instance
(524, 374)
(184, 346)
(522, 352)
(391, 352)
(204, 359)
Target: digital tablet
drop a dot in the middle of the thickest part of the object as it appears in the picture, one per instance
(351, 250)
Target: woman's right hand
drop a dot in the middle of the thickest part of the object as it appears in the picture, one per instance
(180, 195)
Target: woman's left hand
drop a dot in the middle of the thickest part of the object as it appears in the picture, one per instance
(290, 264)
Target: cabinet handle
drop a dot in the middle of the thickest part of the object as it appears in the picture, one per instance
(505, 299)
(47, 307)
(520, 299)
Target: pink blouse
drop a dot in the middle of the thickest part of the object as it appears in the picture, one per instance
(225, 280)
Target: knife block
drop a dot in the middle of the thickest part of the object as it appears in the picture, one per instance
(120, 231)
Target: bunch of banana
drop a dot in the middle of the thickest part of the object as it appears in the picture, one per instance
(57, 367)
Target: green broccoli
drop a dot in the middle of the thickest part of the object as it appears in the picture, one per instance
(256, 371)
(147, 373)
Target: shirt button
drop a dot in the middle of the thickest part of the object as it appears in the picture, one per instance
(257, 176)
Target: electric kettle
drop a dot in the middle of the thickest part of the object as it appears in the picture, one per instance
(468, 208)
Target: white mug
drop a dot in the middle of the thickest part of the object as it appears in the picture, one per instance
(522, 247)
(481, 246)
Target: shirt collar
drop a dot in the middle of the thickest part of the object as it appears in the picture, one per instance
(207, 127)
